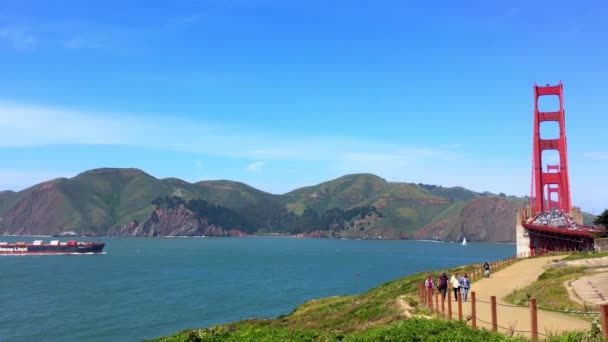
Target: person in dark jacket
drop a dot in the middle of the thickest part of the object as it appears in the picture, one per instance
(443, 284)
(486, 269)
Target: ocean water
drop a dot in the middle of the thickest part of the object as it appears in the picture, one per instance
(145, 288)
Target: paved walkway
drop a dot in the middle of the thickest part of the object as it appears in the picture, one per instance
(502, 283)
(592, 289)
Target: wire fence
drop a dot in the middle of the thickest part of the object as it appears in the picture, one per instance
(510, 329)
(576, 312)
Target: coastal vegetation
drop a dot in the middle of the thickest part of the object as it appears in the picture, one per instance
(414, 329)
(579, 256)
(602, 221)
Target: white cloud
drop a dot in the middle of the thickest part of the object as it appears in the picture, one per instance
(255, 167)
(96, 42)
(596, 155)
(27, 125)
(31, 125)
(18, 38)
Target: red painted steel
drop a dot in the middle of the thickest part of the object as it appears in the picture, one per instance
(550, 188)
(553, 189)
(544, 182)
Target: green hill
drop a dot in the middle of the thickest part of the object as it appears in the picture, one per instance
(405, 207)
(130, 202)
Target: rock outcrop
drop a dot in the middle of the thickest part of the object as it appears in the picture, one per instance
(178, 221)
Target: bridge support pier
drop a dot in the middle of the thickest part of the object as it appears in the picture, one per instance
(522, 239)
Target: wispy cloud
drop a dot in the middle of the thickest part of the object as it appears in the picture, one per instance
(24, 33)
(18, 38)
(95, 42)
(255, 167)
(596, 155)
(28, 125)
(190, 79)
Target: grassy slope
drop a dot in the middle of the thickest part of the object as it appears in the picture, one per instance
(405, 206)
(107, 197)
(7, 199)
(456, 192)
(96, 200)
(415, 329)
(230, 194)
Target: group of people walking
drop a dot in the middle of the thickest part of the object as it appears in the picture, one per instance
(458, 284)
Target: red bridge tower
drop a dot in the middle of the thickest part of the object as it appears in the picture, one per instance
(542, 229)
(552, 182)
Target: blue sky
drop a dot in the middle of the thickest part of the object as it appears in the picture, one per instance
(283, 94)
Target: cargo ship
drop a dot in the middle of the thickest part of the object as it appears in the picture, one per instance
(38, 247)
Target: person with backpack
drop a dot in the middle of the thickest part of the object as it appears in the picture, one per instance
(443, 285)
(486, 269)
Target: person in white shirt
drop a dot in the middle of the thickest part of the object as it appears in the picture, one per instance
(455, 281)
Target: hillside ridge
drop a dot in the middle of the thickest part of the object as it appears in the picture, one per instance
(131, 202)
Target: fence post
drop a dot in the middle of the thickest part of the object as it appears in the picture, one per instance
(449, 306)
(460, 305)
(604, 318)
(429, 299)
(533, 320)
(494, 322)
(442, 306)
(473, 311)
(420, 296)
(437, 301)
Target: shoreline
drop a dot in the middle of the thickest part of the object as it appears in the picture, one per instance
(270, 235)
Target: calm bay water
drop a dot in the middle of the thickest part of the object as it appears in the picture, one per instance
(146, 288)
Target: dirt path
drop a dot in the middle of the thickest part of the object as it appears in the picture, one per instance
(504, 282)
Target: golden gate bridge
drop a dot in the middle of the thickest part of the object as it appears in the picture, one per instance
(551, 223)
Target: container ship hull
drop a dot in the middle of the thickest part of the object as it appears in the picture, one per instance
(44, 249)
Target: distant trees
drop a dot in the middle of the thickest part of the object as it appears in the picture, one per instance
(429, 187)
(602, 220)
(270, 217)
(502, 194)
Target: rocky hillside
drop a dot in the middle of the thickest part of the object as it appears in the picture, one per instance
(129, 202)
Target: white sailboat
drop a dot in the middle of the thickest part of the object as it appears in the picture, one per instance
(464, 240)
